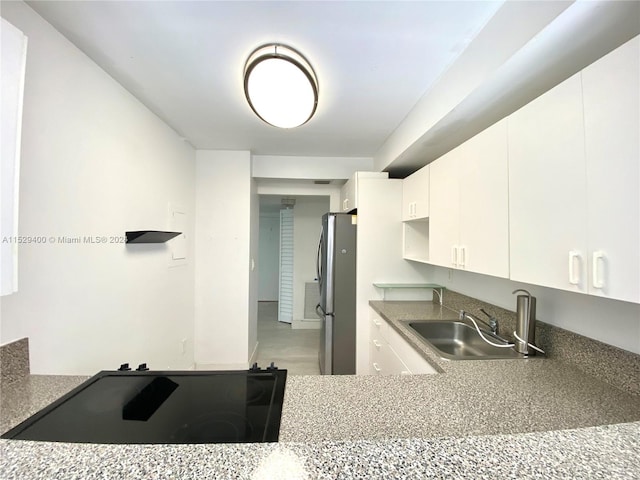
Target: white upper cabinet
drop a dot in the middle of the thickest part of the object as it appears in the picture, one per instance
(547, 190)
(415, 195)
(468, 219)
(444, 211)
(484, 202)
(415, 215)
(549, 196)
(348, 195)
(349, 191)
(574, 180)
(13, 61)
(611, 89)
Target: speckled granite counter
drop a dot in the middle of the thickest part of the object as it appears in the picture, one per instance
(488, 419)
(609, 452)
(23, 398)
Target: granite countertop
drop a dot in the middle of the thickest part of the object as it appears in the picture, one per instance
(536, 418)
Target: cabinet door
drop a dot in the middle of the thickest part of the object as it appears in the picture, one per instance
(348, 195)
(484, 202)
(412, 361)
(547, 190)
(382, 358)
(415, 195)
(611, 89)
(393, 364)
(377, 345)
(377, 354)
(444, 210)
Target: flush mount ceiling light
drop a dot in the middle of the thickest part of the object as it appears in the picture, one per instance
(280, 86)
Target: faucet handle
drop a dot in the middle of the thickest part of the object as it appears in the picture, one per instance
(493, 322)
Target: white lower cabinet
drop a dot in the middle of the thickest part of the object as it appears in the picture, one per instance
(384, 361)
(390, 354)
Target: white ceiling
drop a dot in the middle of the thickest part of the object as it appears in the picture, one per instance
(184, 60)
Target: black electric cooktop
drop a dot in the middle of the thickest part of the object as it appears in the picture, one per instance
(164, 407)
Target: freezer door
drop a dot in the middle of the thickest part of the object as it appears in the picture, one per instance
(325, 267)
(343, 321)
(326, 273)
(325, 357)
(337, 281)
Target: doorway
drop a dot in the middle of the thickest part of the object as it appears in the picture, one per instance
(290, 348)
(286, 282)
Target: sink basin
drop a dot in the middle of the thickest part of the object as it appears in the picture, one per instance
(455, 340)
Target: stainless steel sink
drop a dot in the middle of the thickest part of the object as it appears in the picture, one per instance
(455, 340)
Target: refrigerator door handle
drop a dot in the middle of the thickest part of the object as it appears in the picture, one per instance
(329, 263)
(320, 312)
(319, 261)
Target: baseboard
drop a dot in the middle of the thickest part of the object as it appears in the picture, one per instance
(307, 324)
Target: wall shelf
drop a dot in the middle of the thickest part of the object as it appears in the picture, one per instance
(150, 236)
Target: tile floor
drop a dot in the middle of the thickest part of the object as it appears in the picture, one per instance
(293, 349)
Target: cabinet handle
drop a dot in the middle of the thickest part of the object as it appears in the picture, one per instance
(377, 343)
(345, 204)
(454, 256)
(463, 257)
(376, 367)
(376, 322)
(574, 273)
(405, 372)
(598, 260)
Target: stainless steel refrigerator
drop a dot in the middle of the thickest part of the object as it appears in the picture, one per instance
(336, 269)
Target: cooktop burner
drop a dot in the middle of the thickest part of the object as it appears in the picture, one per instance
(164, 407)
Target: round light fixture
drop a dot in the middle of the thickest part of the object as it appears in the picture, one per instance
(280, 86)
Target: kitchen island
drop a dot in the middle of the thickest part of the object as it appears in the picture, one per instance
(534, 418)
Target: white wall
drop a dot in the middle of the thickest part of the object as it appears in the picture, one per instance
(610, 321)
(379, 253)
(96, 162)
(224, 191)
(254, 280)
(307, 224)
(309, 168)
(268, 256)
(295, 188)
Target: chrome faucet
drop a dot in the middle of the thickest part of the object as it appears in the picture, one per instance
(492, 324)
(525, 323)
